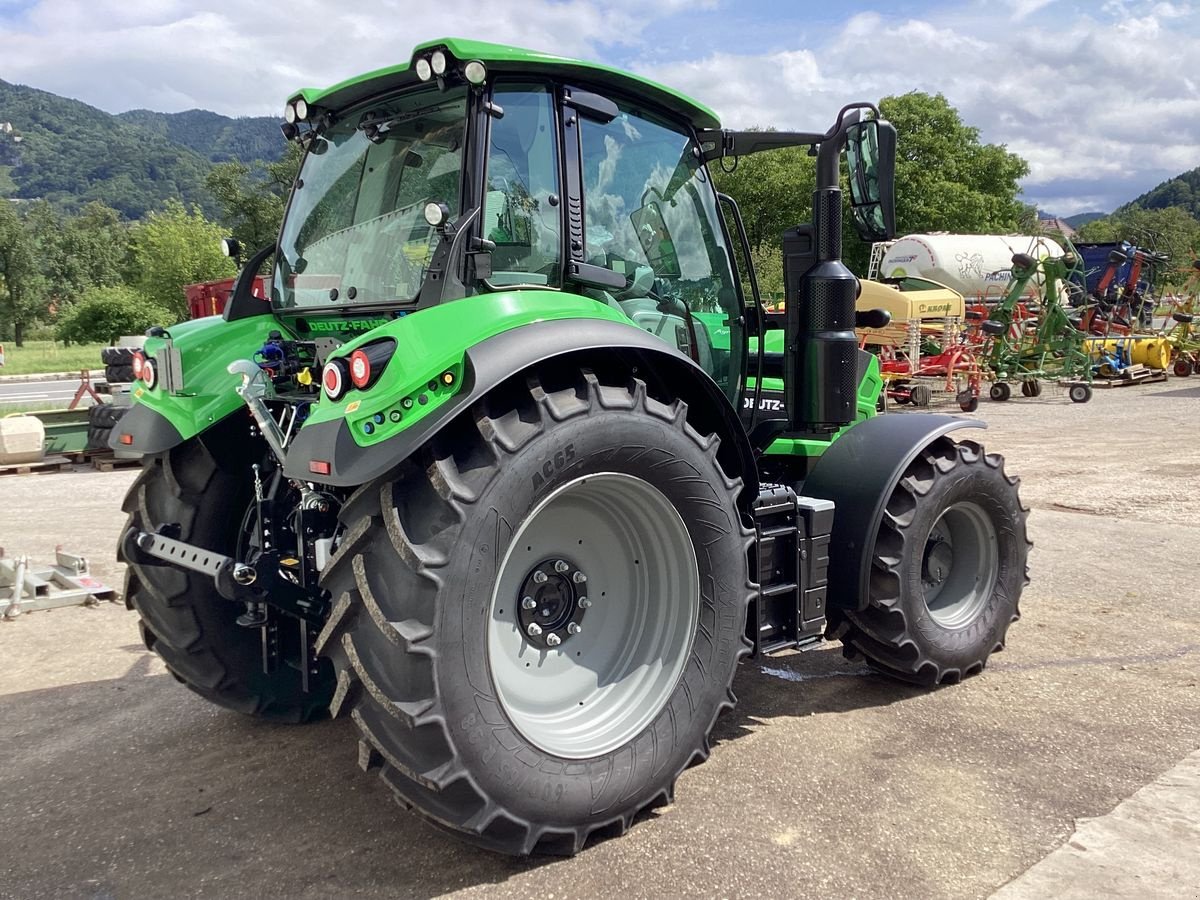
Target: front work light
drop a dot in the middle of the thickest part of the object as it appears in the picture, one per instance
(436, 213)
(289, 114)
(438, 62)
(424, 70)
(301, 108)
(475, 72)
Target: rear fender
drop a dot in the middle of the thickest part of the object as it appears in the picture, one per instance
(858, 472)
(581, 342)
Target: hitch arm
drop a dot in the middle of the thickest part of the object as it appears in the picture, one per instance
(257, 582)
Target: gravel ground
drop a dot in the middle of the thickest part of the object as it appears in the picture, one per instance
(826, 780)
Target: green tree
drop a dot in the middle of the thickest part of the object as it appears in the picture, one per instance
(1170, 230)
(175, 247)
(105, 313)
(946, 180)
(252, 198)
(95, 249)
(22, 283)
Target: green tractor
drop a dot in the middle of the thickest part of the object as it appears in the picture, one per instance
(513, 467)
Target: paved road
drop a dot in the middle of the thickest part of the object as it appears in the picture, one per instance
(40, 393)
(825, 781)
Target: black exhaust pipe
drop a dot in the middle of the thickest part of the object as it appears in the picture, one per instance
(821, 363)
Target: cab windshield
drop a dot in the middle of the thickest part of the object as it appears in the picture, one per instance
(356, 231)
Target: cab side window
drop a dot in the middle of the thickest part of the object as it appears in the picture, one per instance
(521, 211)
(650, 214)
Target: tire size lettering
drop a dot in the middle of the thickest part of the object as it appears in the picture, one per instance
(559, 461)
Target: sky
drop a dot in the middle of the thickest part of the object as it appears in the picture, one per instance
(1102, 98)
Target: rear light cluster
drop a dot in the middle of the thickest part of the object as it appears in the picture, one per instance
(361, 370)
(145, 368)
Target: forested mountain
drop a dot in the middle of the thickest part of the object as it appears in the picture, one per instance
(215, 137)
(1080, 219)
(70, 153)
(1182, 191)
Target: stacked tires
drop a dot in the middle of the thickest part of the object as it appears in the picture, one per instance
(101, 419)
(118, 364)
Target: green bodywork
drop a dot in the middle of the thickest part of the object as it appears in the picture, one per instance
(206, 346)
(428, 345)
(500, 58)
(434, 342)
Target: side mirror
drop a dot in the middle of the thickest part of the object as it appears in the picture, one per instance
(232, 248)
(871, 159)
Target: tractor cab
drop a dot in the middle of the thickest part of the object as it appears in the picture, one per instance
(466, 173)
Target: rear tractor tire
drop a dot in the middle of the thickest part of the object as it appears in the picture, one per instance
(183, 618)
(537, 620)
(948, 568)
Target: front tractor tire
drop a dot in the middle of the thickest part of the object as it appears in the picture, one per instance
(183, 618)
(536, 622)
(948, 567)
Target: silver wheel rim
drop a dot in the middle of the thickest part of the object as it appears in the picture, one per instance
(959, 564)
(606, 681)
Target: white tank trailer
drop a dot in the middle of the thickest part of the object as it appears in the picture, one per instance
(975, 265)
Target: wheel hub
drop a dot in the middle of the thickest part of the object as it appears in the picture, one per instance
(551, 603)
(939, 559)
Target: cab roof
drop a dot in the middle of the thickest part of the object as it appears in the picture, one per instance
(502, 58)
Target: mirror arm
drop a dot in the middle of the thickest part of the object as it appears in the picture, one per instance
(720, 143)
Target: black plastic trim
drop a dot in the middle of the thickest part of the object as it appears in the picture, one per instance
(242, 303)
(152, 432)
(493, 361)
(858, 473)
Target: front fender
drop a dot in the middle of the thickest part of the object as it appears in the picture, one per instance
(498, 358)
(160, 419)
(858, 472)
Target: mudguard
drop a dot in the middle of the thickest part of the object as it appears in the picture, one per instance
(858, 473)
(144, 430)
(492, 361)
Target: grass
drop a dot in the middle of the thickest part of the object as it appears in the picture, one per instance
(49, 356)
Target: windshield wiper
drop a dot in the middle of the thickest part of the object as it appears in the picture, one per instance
(376, 127)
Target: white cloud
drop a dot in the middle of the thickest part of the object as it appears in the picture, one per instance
(1100, 98)
(238, 57)
(1105, 100)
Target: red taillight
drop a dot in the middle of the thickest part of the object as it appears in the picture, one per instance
(138, 361)
(127, 439)
(149, 373)
(360, 369)
(319, 467)
(334, 378)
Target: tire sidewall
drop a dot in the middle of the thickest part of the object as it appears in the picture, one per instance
(986, 487)
(535, 784)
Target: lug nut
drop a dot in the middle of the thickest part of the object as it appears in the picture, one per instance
(528, 603)
(534, 629)
(540, 577)
(561, 566)
(574, 628)
(584, 602)
(553, 640)
(579, 578)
